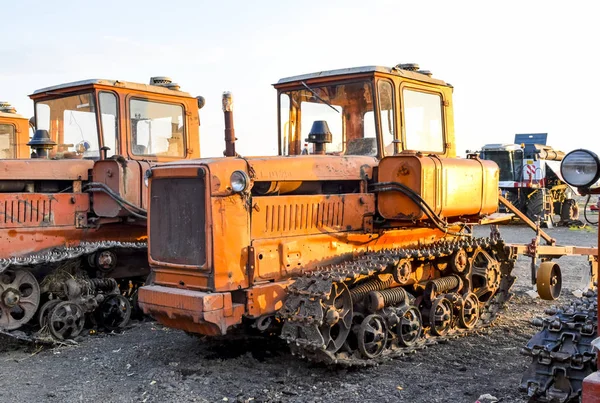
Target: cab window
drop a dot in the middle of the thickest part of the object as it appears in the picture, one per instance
(423, 121)
(71, 123)
(7, 141)
(108, 119)
(157, 129)
(386, 117)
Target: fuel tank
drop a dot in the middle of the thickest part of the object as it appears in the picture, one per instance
(452, 187)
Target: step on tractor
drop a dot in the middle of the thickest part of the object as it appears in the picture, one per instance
(14, 133)
(73, 212)
(563, 353)
(530, 179)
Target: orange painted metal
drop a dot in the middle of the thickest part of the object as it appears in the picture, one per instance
(441, 182)
(18, 126)
(206, 313)
(302, 212)
(43, 169)
(34, 217)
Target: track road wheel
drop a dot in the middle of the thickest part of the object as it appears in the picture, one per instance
(114, 313)
(19, 298)
(45, 311)
(372, 336)
(549, 281)
(469, 314)
(410, 327)
(440, 316)
(66, 320)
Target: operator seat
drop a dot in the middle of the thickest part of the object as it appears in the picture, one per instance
(362, 146)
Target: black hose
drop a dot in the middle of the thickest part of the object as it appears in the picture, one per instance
(418, 200)
(141, 213)
(412, 195)
(96, 186)
(587, 201)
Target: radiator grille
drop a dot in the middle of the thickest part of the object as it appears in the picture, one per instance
(177, 221)
(291, 217)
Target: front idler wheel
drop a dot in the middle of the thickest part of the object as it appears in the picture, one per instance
(66, 320)
(337, 317)
(372, 336)
(19, 298)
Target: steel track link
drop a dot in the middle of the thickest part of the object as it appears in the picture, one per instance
(303, 310)
(53, 256)
(562, 352)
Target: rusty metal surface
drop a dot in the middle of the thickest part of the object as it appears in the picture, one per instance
(58, 254)
(57, 213)
(214, 313)
(124, 179)
(40, 169)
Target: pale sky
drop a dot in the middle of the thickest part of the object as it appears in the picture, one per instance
(516, 66)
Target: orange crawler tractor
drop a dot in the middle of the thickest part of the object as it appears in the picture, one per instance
(355, 247)
(14, 133)
(73, 216)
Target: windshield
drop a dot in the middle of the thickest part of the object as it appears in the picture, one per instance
(71, 123)
(347, 109)
(509, 163)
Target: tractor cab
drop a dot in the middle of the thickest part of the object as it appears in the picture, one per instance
(96, 119)
(509, 158)
(14, 133)
(358, 111)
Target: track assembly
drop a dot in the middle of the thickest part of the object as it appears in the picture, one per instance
(391, 318)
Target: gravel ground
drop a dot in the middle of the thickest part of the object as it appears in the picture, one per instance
(150, 363)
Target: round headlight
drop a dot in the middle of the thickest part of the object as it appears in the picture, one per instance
(580, 168)
(239, 181)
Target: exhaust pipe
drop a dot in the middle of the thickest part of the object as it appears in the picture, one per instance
(229, 130)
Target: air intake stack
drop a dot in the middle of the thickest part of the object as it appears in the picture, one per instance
(163, 81)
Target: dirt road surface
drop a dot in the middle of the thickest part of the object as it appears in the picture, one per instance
(150, 363)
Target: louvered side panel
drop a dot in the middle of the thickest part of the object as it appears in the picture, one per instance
(293, 215)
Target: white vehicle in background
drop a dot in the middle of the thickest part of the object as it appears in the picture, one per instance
(530, 178)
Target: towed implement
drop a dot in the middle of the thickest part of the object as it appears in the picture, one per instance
(73, 216)
(564, 352)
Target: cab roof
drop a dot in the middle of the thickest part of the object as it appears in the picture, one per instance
(158, 89)
(420, 75)
(11, 115)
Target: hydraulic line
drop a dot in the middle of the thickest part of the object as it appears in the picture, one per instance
(418, 200)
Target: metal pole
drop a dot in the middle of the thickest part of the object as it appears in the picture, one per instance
(229, 130)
